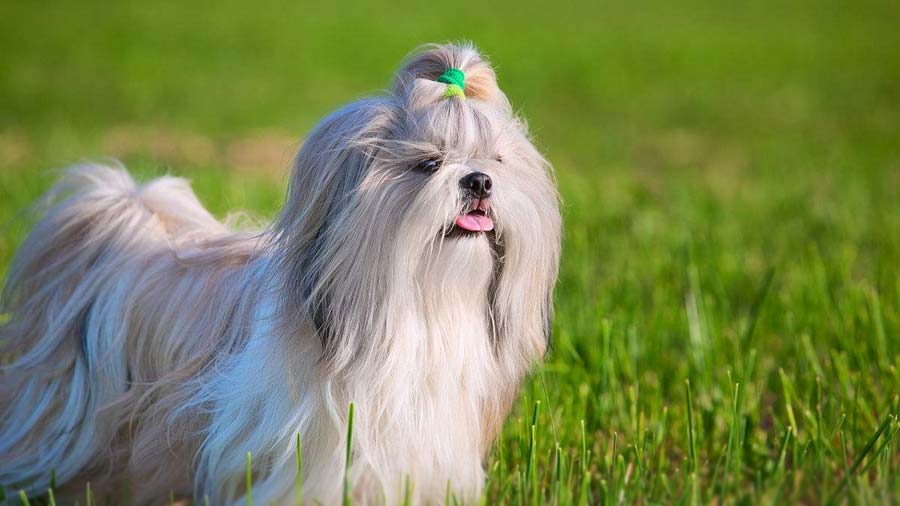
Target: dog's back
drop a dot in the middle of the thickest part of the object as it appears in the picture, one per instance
(91, 306)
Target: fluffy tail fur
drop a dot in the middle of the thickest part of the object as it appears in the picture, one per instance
(56, 336)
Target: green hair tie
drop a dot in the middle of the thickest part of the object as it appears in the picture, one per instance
(455, 80)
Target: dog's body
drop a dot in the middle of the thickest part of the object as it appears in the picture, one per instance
(410, 272)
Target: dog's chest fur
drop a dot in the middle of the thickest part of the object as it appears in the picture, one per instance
(425, 396)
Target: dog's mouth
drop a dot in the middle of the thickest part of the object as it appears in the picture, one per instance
(475, 221)
(475, 218)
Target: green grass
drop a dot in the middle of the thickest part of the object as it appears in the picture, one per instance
(728, 309)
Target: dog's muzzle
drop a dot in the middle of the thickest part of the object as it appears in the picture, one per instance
(476, 216)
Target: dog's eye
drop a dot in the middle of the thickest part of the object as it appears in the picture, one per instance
(499, 158)
(429, 165)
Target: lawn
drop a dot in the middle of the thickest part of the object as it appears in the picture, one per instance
(727, 321)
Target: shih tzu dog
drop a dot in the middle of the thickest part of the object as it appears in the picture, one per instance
(149, 347)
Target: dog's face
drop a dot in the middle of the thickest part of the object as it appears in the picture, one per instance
(398, 200)
(457, 172)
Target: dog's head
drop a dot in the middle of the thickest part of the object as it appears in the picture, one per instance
(433, 186)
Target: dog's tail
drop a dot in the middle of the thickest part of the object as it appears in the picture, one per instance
(96, 220)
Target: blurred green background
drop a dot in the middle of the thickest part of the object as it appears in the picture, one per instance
(730, 175)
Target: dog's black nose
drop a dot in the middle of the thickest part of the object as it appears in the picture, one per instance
(478, 183)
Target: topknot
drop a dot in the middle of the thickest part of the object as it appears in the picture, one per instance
(431, 61)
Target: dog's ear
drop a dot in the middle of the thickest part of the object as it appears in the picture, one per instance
(326, 173)
(535, 326)
(526, 263)
(312, 301)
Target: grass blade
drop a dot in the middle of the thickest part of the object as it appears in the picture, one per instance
(347, 501)
(299, 499)
(692, 447)
(249, 481)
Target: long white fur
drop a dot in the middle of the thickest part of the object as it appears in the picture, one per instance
(152, 347)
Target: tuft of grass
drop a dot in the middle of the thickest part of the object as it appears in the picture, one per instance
(870, 444)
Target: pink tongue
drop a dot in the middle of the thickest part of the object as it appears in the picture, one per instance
(474, 222)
